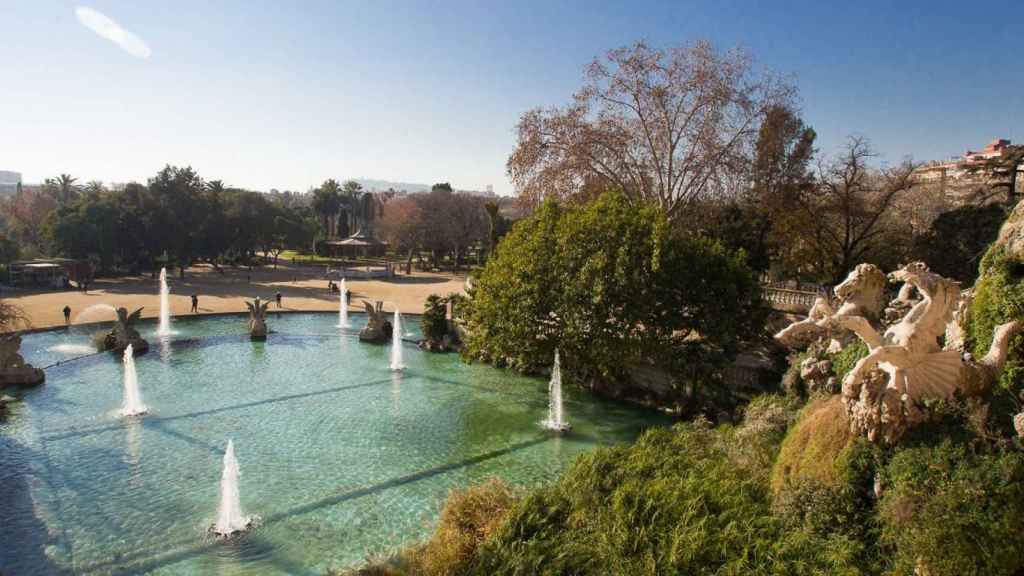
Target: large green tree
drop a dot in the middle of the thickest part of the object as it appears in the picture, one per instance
(616, 289)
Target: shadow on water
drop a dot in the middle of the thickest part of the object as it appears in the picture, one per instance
(24, 547)
(154, 420)
(140, 562)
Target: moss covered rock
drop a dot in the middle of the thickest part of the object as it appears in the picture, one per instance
(814, 447)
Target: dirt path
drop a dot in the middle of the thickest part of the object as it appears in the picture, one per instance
(301, 288)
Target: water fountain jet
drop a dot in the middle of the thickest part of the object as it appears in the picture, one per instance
(556, 413)
(396, 341)
(164, 329)
(343, 306)
(132, 405)
(230, 520)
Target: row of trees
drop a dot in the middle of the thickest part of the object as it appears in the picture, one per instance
(180, 217)
(719, 146)
(176, 217)
(444, 223)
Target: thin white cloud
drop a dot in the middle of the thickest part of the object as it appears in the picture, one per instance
(107, 28)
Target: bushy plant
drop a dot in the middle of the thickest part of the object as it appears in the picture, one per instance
(609, 283)
(690, 500)
(953, 510)
(434, 323)
(999, 298)
(813, 445)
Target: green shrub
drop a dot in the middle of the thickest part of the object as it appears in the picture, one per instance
(844, 360)
(434, 323)
(955, 511)
(608, 283)
(999, 298)
(814, 445)
(690, 500)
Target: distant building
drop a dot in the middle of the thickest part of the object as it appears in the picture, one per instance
(956, 182)
(9, 182)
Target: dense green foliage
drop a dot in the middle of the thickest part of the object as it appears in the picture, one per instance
(999, 298)
(697, 500)
(177, 215)
(844, 360)
(955, 510)
(434, 323)
(610, 284)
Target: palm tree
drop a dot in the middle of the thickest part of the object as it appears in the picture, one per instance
(94, 187)
(66, 188)
(326, 203)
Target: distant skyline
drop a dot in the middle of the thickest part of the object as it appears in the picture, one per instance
(286, 95)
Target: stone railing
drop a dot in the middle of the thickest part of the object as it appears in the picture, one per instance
(787, 300)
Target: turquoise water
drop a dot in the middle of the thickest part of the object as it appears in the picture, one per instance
(340, 457)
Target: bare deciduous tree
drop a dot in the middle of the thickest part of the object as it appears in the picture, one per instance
(848, 211)
(665, 126)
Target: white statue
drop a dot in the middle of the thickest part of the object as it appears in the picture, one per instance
(883, 393)
(258, 319)
(861, 294)
(907, 364)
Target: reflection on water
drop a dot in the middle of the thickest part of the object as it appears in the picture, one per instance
(342, 456)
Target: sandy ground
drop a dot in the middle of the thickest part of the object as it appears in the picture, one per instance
(301, 288)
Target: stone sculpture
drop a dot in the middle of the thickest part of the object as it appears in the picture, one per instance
(378, 327)
(123, 333)
(884, 392)
(861, 294)
(258, 319)
(13, 369)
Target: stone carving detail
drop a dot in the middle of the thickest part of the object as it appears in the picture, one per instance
(378, 326)
(123, 333)
(861, 294)
(258, 319)
(884, 391)
(906, 364)
(13, 369)
(1018, 424)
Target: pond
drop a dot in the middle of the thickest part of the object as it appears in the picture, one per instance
(340, 457)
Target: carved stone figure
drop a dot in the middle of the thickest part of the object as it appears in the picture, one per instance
(258, 319)
(1018, 424)
(13, 369)
(884, 391)
(861, 294)
(123, 333)
(378, 326)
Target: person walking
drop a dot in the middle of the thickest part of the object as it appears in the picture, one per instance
(278, 298)
(195, 303)
(67, 315)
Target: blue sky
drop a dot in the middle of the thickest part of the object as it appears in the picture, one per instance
(285, 94)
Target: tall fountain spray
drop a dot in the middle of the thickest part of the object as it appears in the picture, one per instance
(396, 341)
(343, 306)
(229, 512)
(165, 306)
(556, 414)
(133, 405)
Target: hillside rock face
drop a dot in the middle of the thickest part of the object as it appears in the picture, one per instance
(1011, 235)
